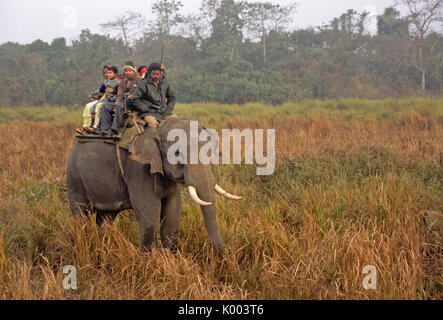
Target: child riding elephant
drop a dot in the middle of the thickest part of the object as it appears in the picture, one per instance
(95, 97)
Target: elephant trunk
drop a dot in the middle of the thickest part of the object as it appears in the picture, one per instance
(211, 224)
(201, 183)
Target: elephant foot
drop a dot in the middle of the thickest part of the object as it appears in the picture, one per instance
(171, 247)
(148, 239)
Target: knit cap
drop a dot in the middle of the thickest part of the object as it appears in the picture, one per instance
(129, 65)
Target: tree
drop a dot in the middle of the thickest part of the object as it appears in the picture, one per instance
(423, 13)
(390, 23)
(167, 17)
(262, 17)
(350, 22)
(227, 27)
(208, 12)
(193, 28)
(126, 25)
(92, 49)
(38, 46)
(281, 16)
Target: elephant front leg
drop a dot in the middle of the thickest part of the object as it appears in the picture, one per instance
(148, 221)
(170, 218)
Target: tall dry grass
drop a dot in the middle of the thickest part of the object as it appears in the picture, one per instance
(346, 193)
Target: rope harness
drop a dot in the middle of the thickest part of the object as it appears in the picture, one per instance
(133, 117)
(119, 160)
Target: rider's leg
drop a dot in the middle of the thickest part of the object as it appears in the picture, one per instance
(106, 116)
(118, 116)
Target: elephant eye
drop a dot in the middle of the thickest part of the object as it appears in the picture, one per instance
(180, 157)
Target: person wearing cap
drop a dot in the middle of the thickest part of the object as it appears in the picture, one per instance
(154, 98)
(109, 125)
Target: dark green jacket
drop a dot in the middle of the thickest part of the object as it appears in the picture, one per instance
(149, 99)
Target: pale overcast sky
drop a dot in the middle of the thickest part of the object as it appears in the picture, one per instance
(25, 21)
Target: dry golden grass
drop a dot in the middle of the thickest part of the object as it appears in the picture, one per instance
(345, 194)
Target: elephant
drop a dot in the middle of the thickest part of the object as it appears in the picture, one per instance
(146, 182)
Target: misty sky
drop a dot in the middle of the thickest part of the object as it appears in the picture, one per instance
(25, 21)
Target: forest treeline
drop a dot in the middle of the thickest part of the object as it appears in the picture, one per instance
(236, 52)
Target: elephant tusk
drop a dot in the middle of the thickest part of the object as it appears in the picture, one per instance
(226, 194)
(194, 196)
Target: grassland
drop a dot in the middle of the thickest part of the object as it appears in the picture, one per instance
(357, 182)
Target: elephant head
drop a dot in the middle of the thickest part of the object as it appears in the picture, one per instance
(151, 147)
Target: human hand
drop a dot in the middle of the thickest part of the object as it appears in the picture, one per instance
(152, 122)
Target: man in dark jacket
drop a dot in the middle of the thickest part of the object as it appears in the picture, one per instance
(153, 98)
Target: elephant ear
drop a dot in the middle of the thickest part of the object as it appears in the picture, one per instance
(145, 149)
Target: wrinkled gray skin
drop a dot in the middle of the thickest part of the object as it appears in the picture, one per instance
(152, 187)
